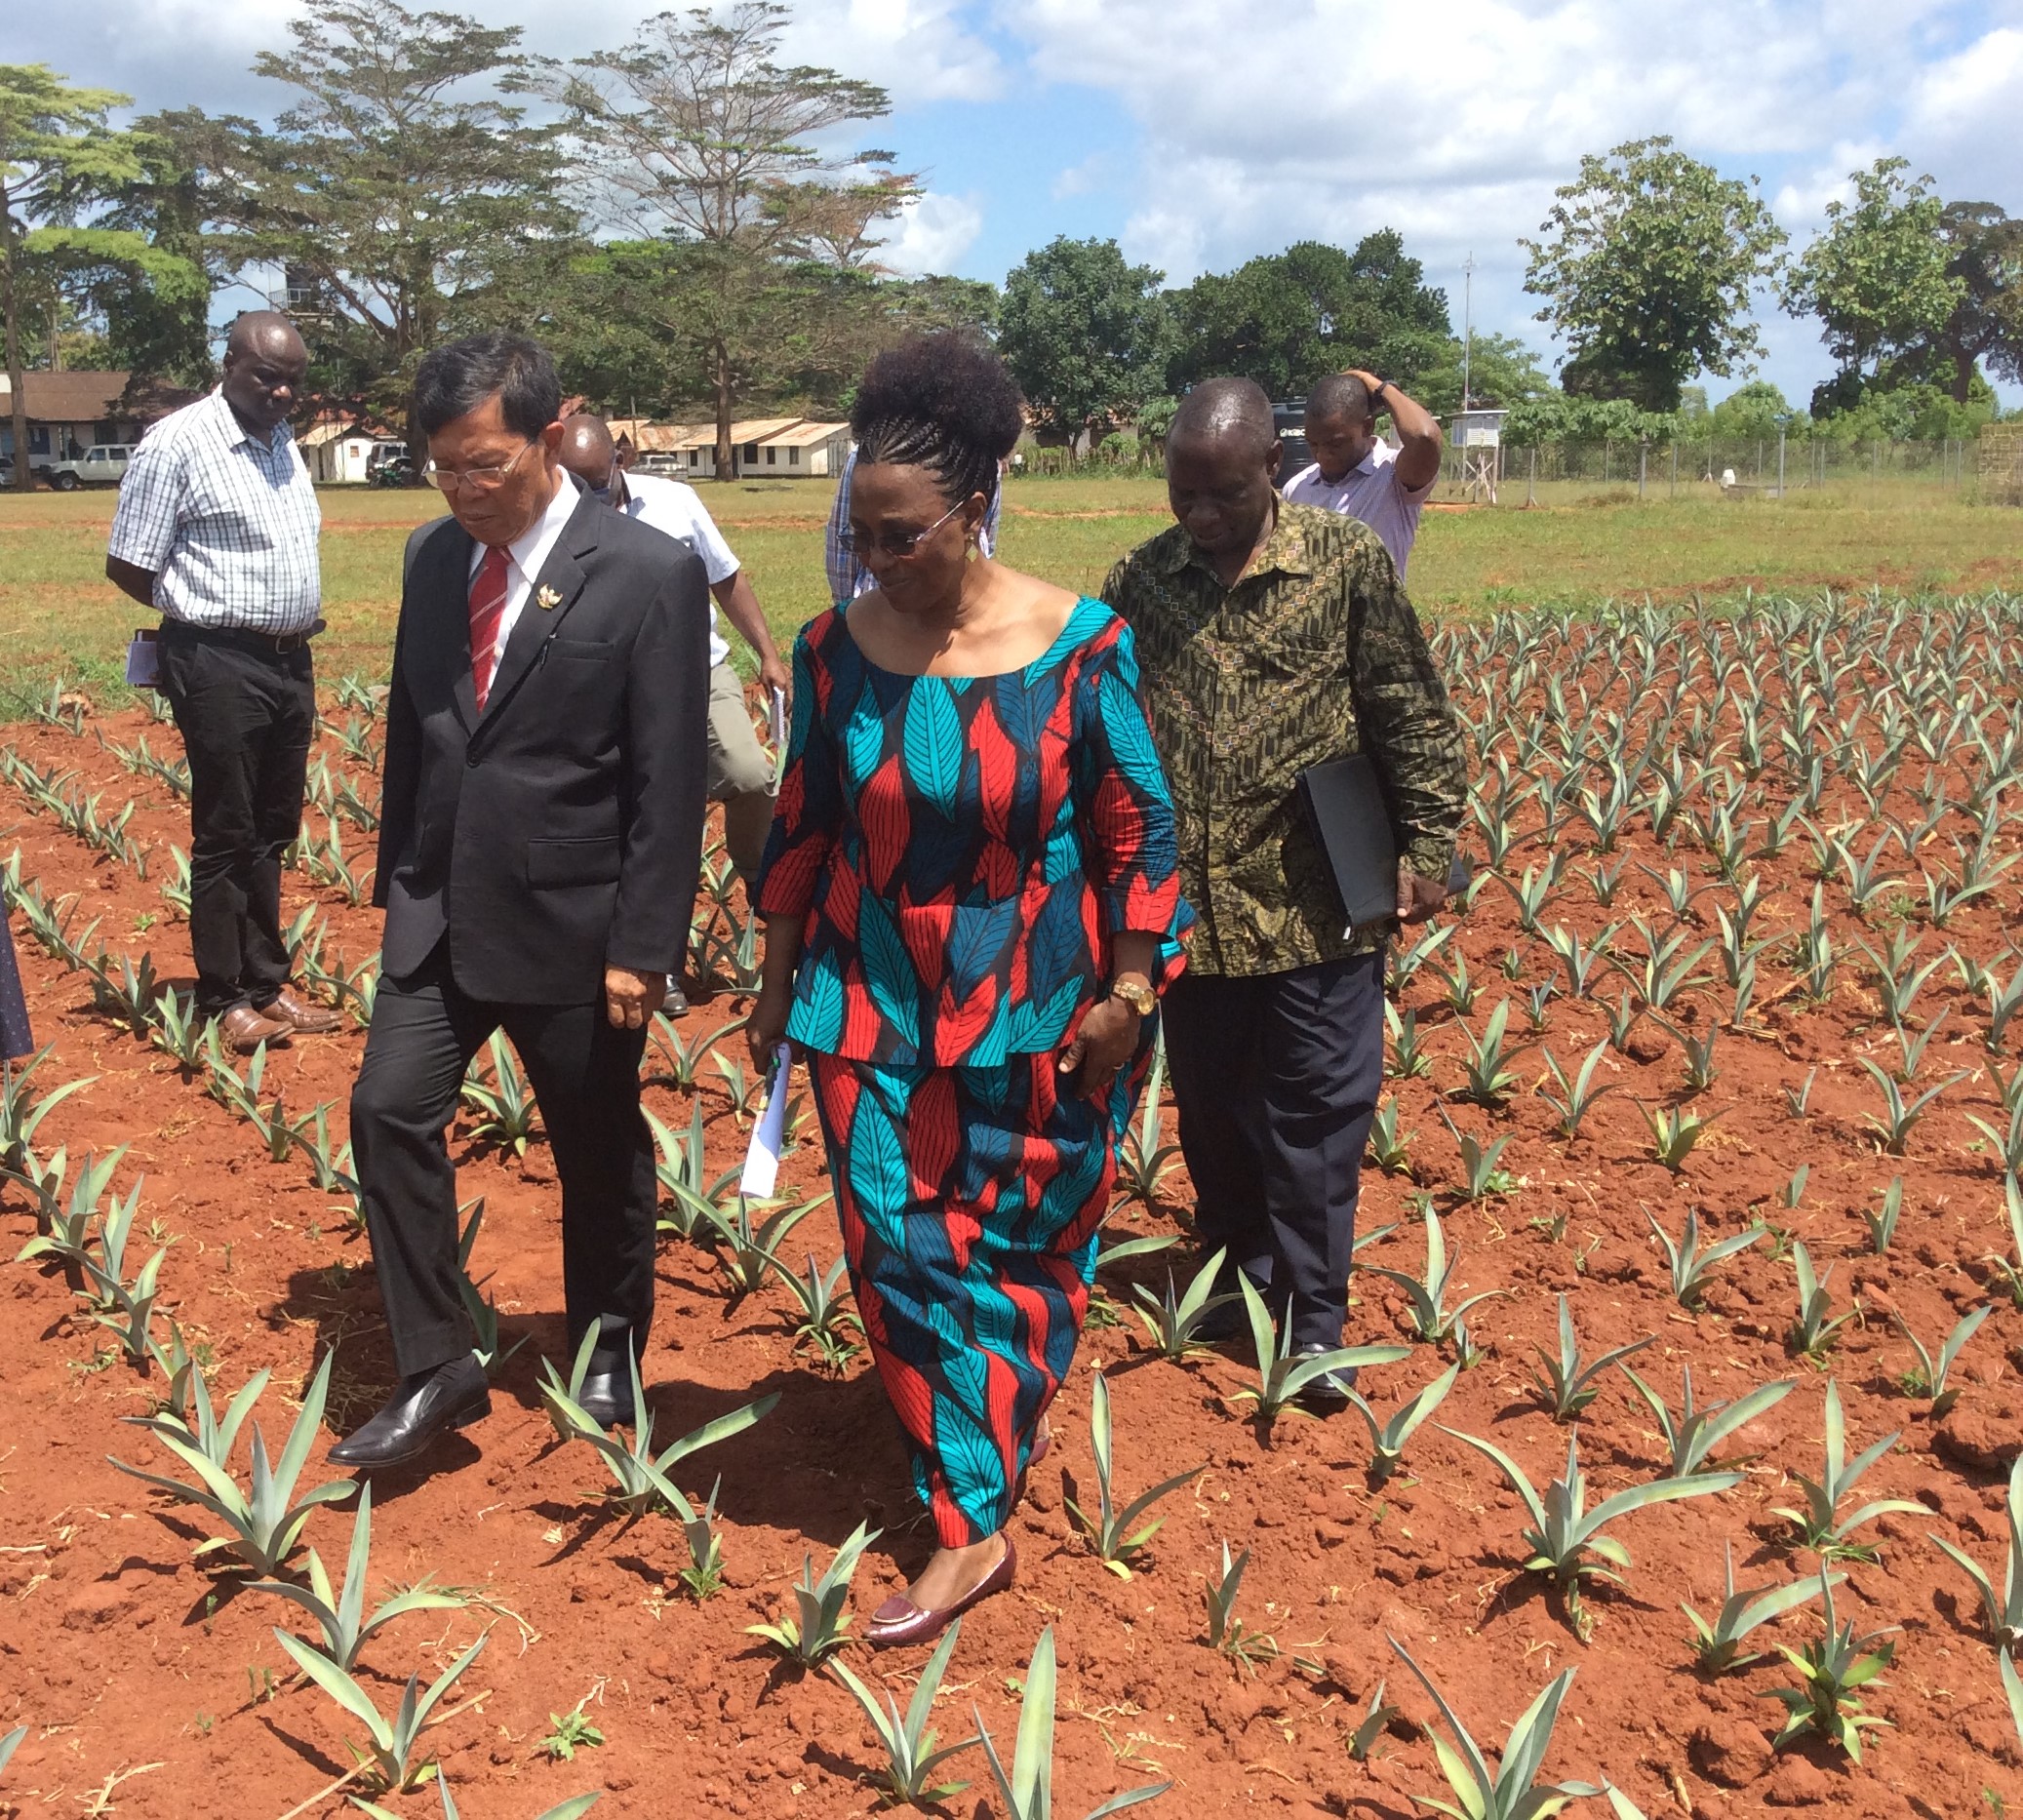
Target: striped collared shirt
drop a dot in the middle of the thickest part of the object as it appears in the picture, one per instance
(228, 522)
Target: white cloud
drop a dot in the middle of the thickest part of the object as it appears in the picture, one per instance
(932, 235)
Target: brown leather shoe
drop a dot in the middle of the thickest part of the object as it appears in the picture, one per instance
(310, 1020)
(899, 1622)
(244, 1030)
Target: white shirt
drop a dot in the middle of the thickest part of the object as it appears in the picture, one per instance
(228, 521)
(1372, 491)
(526, 556)
(674, 507)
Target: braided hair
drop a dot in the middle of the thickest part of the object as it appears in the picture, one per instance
(940, 402)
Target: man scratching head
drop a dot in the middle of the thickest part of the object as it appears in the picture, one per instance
(1221, 457)
(490, 406)
(1340, 425)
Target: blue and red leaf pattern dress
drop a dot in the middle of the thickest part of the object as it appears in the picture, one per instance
(961, 849)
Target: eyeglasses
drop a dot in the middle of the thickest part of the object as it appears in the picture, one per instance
(898, 544)
(477, 479)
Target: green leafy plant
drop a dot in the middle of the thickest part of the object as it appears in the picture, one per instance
(341, 1615)
(820, 1626)
(1830, 1671)
(1576, 1097)
(912, 1760)
(391, 1742)
(568, 1733)
(1674, 1131)
(1821, 1526)
(1281, 1374)
(11, 1742)
(1568, 1386)
(1563, 1532)
(1027, 1789)
(1407, 1059)
(1718, 1647)
(1692, 1435)
(1143, 1162)
(65, 1234)
(2004, 1615)
(23, 1109)
(1387, 1439)
(1109, 1530)
(1511, 1790)
(1432, 1321)
(1171, 1322)
(1482, 1174)
(749, 1255)
(825, 1324)
(1690, 1265)
(1881, 1222)
(1901, 1117)
(1226, 1631)
(1488, 1077)
(1928, 1377)
(505, 1104)
(1390, 1149)
(265, 1523)
(1812, 1332)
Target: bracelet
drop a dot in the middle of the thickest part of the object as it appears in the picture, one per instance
(1141, 998)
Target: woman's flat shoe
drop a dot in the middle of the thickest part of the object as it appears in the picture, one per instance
(899, 1622)
(1041, 1448)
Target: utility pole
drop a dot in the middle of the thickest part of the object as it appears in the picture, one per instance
(1467, 323)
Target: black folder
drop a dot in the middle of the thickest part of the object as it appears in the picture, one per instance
(1345, 805)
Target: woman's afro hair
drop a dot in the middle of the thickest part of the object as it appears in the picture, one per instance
(942, 402)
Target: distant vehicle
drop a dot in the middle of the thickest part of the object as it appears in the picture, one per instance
(103, 464)
(663, 461)
(389, 465)
(1288, 420)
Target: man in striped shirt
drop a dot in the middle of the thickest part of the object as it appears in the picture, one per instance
(216, 529)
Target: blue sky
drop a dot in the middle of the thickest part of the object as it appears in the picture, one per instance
(1202, 132)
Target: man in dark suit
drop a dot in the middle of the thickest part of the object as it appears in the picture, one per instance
(539, 846)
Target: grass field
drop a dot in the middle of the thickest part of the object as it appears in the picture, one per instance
(61, 618)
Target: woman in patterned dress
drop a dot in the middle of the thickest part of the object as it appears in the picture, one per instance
(971, 899)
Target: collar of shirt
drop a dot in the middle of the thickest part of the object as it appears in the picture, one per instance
(234, 432)
(1283, 551)
(528, 552)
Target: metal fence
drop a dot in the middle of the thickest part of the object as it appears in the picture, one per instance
(1755, 465)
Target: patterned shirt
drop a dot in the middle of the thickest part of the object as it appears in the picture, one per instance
(964, 846)
(1314, 654)
(226, 521)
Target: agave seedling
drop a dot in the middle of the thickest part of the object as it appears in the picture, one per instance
(1812, 1332)
(504, 1104)
(1563, 1532)
(1109, 1530)
(10, 1743)
(684, 1059)
(641, 1482)
(703, 1576)
(1674, 1131)
(825, 1324)
(1511, 1790)
(1928, 1377)
(1377, 1714)
(126, 1307)
(66, 1234)
(1226, 1631)
(21, 1109)
(1718, 1647)
(1882, 1223)
(1830, 1671)
(573, 1809)
(1491, 1080)
(1432, 1319)
(2006, 1143)
(1143, 1162)
(265, 1522)
(749, 1255)
(1387, 1439)
(1900, 1116)
(1579, 959)
(1567, 1385)
(1692, 1267)
(1408, 1059)
(2004, 1615)
(1576, 1097)
(341, 1615)
(1481, 1172)
(1821, 1526)
(1281, 1375)
(912, 1760)
(820, 1626)
(1027, 1789)
(392, 1741)
(1692, 1435)
(178, 1033)
(1172, 1321)
(1390, 1149)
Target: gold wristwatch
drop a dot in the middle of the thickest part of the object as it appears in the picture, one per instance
(1141, 998)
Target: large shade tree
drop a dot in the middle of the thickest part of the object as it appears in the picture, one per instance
(1646, 264)
(1084, 332)
(729, 169)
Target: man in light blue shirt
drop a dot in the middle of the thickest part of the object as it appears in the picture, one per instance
(1356, 475)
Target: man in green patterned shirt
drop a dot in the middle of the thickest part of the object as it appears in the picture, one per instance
(1274, 637)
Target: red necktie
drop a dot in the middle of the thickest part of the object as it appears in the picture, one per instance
(488, 599)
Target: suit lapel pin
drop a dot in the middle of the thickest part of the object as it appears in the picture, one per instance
(547, 598)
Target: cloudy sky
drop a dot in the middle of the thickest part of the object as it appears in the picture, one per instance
(1202, 132)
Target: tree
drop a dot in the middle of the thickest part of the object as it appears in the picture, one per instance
(1750, 413)
(1502, 372)
(59, 159)
(1085, 334)
(698, 141)
(1285, 318)
(1985, 259)
(401, 206)
(1875, 277)
(1647, 262)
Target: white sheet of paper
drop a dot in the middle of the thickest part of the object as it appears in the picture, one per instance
(762, 1156)
(776, 710)
(143, 662)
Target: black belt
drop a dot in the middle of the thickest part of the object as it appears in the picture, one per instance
(276, 644)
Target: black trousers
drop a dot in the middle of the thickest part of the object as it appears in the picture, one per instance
(1276, 1079)
(246, 716)
(585, 1080)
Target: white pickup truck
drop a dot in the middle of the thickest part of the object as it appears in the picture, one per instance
(103, 464)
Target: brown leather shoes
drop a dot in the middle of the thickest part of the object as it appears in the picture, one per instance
(304, 1020)
(899, 1622)
(244, 1030)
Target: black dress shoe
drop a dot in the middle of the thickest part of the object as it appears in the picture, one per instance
(675, 1003)
(606, 1394)
(1328, 1391)
(427, 1405)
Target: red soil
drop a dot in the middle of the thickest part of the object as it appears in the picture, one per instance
(155, 1688)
